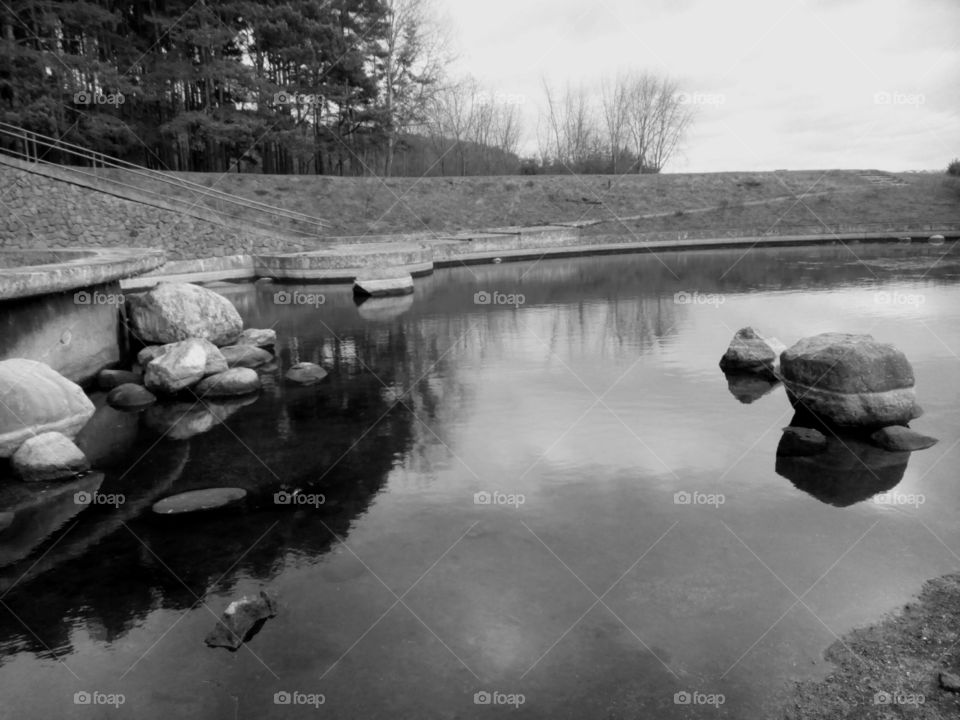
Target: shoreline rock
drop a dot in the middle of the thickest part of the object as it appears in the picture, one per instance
(851, 381)
(35, 398)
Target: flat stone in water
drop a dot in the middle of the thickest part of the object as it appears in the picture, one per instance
(305, 373)
(383, 281)
(195, 500)
(897, 438)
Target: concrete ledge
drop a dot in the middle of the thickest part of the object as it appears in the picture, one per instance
(228, 267)
(344, 262)
(627, 245)
(73, 268)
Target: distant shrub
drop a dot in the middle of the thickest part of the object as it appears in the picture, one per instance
(677, 213)
(954, 167)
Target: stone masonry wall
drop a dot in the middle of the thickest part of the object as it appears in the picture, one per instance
(41, 212)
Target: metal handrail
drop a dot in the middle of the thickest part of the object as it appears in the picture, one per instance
(32, 141)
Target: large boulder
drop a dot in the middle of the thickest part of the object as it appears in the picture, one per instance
(171, 312)
(181, 365)
(216, 362)
(235, 381)
(850, 380)
(48, 456)
(35, 398)
(750, 352)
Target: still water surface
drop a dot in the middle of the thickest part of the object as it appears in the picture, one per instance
(594, 402)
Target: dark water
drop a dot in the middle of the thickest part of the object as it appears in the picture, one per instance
(596, 400)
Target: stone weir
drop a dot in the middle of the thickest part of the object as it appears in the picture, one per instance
(61, 307)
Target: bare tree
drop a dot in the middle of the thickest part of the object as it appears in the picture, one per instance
(415, 58)
(640, 116)
(572, 124)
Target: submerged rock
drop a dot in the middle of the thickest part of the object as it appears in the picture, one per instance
(183, 420)
(48, 456)
(130, 397)
(801, 441)
(241, 620)
(305, 373)
(750, 352)
(171, 312)
(258, 338)
(246, 356)
(384, 309)
(109, 379)
(35, 398)
(850, 380)
(898, 438)
(235, 381)
(197, 500)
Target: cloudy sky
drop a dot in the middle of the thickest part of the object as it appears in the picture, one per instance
(798, 84)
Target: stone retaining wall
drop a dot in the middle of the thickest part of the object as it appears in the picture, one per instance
(45, 211)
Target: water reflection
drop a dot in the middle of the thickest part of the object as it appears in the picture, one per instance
(430, 400)
(847, 472)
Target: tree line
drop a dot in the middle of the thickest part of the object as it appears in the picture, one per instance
(346, 87)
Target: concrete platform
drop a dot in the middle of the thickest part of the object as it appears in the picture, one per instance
(29, 273)
(344, 262)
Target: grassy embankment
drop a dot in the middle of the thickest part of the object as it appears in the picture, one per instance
(749, 201)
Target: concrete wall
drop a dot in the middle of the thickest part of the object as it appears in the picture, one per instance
(53, 209)
(74, 332)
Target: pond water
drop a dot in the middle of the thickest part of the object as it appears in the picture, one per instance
(587, 586)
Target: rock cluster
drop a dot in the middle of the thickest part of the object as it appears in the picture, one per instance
(853, 397)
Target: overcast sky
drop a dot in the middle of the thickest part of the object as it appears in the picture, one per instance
(781, 84)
